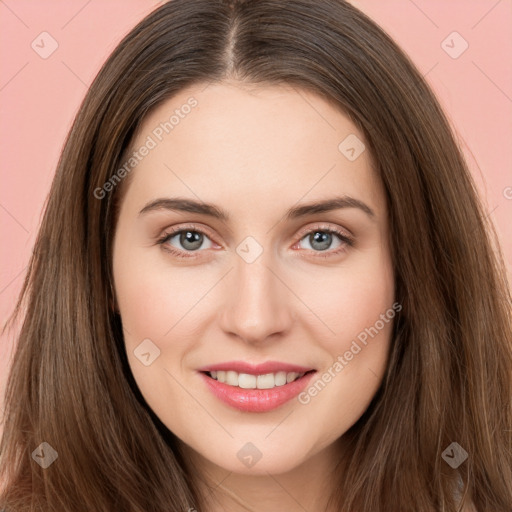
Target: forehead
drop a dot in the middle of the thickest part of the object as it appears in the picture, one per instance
(276, 143)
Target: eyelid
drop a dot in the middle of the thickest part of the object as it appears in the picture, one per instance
(323, 226)
(188, 227)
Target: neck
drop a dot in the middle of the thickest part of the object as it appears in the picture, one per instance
(308, 486)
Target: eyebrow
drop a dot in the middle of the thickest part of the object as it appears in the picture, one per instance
(192, 206)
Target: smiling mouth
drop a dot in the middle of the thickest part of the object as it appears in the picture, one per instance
(249, 381)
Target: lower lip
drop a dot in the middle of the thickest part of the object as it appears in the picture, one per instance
(256, 400)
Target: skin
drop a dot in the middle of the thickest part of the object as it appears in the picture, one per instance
(255, 152)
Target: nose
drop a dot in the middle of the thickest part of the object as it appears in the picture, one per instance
(259, 306)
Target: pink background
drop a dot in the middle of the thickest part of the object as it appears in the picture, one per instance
(39, 98)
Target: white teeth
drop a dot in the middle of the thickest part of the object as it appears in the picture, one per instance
(248, 381)
(232, 378)
(280, 379)
(291, 376)
(244, 380)
(266, 381)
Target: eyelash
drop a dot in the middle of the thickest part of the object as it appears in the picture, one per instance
(347, 241)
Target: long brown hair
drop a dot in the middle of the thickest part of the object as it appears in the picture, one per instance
(449, 377)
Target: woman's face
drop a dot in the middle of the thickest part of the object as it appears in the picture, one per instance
(259, 284)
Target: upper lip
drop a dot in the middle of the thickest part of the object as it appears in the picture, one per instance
(255, 369)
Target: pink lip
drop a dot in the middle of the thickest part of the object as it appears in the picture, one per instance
(256, 400)
(255, 369)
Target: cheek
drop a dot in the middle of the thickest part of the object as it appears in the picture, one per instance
(164, 305)
(350, 299)
(152, 297)
(153, 304)
(358, 307)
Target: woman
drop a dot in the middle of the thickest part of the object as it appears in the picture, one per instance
(248, 371)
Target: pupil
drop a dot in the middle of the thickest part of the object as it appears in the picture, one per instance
(323, 238)
(191, 237)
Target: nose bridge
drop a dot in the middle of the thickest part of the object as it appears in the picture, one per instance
(258, 304)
